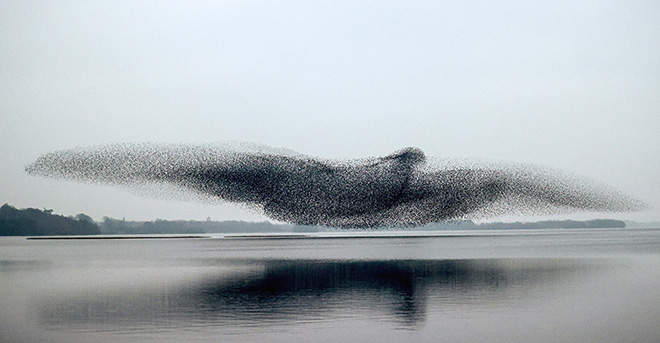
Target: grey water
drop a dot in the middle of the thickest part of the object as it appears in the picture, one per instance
(589, 285)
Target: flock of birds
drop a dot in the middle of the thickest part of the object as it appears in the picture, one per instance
(405, 188)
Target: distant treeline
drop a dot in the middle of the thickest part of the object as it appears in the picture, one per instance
(114, 226)
(159, 226)
(547, 224)
(558, 224)
(35, 222)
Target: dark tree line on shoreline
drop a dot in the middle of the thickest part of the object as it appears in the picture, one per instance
(160, 226)
(35, 222)
(546, 224)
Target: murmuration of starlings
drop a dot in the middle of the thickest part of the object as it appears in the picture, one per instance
(402, 189)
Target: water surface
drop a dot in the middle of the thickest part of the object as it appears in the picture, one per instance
(497, 286)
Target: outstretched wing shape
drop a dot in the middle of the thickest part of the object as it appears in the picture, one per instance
(399, 189)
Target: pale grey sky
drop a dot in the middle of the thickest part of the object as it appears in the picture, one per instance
(564, 84)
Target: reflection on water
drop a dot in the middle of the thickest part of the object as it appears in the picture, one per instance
(299, 291)
(508, 286)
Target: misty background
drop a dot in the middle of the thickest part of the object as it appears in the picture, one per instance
(572, 86)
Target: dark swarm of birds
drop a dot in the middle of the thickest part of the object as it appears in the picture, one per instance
(402, 189)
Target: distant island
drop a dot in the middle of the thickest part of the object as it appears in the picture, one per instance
(36, 222)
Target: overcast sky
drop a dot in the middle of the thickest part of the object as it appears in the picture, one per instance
(564, 84)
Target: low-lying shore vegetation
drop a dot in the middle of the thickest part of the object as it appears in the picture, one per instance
(36, 222)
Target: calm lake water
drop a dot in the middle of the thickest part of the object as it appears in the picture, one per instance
(496, 286)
